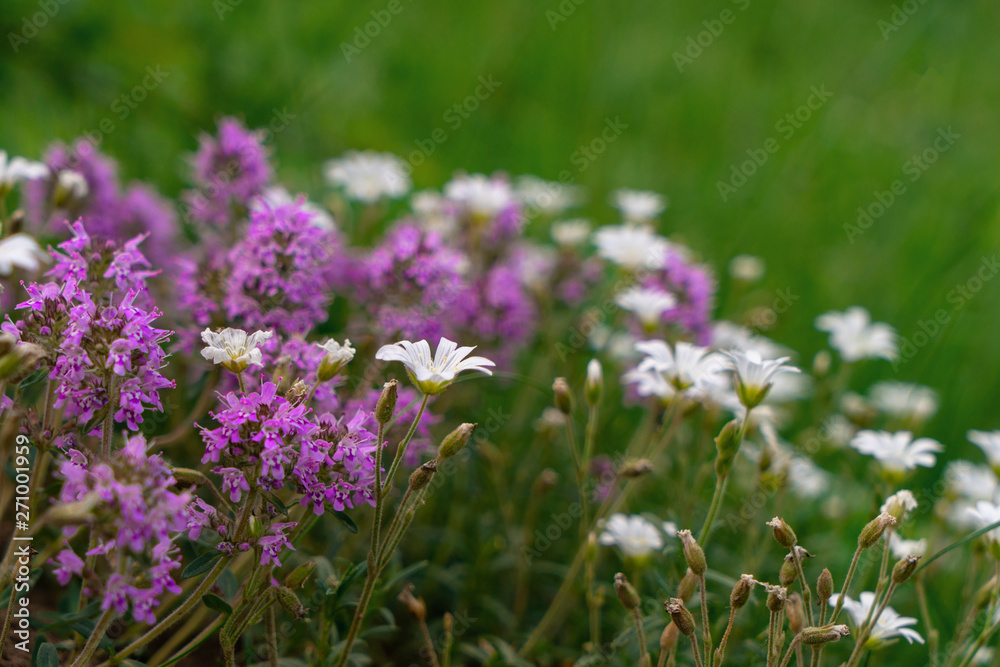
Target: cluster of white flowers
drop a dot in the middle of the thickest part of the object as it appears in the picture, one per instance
(368, 176)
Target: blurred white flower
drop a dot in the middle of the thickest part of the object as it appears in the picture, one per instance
(432, 375)
(71, 184)
(754, 374)
(856, 337)
(670, 528)
(890, 624)
(983, 656)
(684, 365)
(989, 442)
(648, 304)
(634, 535)
(480, 195)
(897, 452)
(549, 197)
(20, 251)
(17, 169)
(904, 400)
(971, 481)
(571, 233)
(368, 176)
(747, 268)
(632, 247)
(899, 504)
(233, 348)
(984, 514)
(806, 479)
(638, 205)
(432, 211)
(901, 548)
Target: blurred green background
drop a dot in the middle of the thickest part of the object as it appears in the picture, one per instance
(559, 82)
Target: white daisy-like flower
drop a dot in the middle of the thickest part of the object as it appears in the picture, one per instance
(647, 303)
(899, 504)
(634, 535)
(904, 400)
(649, 382)
(233, 348)
(806, 479)
(71, 184)
(17, 169)
(971, 481)
(22, 252)
(984, 514)
(432, 375)
(890, 624)
(897, 452)
(755, 375)
(632, 247)
(901, 548)
(337, 356)
(548, 197)
(638, 205)
(856, 337)
(368, 176)
(989, 442)
(684, 365)
(571, 233)
(747, 268)
(480, 195)
(278, 195)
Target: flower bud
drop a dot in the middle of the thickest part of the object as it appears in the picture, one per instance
(337, 356)
(904, 569)
(788, 572)
(680, 615)
(290, 601)
(422, 476)
(873, 532)
(776, 597)
(727, 443)
(741, 592)
(824, 585)
(455, 441)
(594, 384)
(796, 613)
(255, 528)
(668, 639)
(297, 392)
(824, 634)
(414, 605)
(783, 533)
(626, 592)
(688, 585)
(299, 575)
(386, 406)
(637, 468)
(564, 399)
(693, 553)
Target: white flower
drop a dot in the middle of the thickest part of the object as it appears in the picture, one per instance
(806, 479)
(684, 365)
(638, 205)
(632, 247)
(970, 481)
(983, 656)
(899, 504)
(367, 176)
(481, 195)
(571, 233)
(755, 375)
(984, 514)
(20, 251)
(649, 382)
(337, 356)
(890, 624)
(634, 535)
(548, 197)
(856, 337)
(233, 348)
(747, 268)
(71, 183)
(897, 451)
(433, 375)
(648, 304)
(904, 400)
(901, 548)
(17, 169)
(989, 442)
(670, 528)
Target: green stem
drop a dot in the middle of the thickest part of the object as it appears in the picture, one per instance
(847, 584)
(401, 449)
(694, 649)
(806, 592)
(706, 628)
(640, 633)
(713, 509)
(791, 649)
(94, 641)
(271, 628)
(867, 631)
(720, 653)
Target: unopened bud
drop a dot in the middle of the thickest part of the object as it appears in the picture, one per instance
(298, 576)
(290, 601)
(783, 533)
(297, 392)
(455, 441)
(680, 615)
(668, 638)
(595, 382)
(626, 592)
(337, 356)
(788, 572)
(386, 406)
(727, 443)
(255, 528)
(564, 398)
(824, 634)
(904, 569)
(414, 605)
(422, 476)
(637, 468)
(776, 598)
(741, 592)
(689, 582)
(873, 532)
(693, 553)
(796, 613)
(824, 585)
(189, 476)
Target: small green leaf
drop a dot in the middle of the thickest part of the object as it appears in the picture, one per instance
(201, 564)
(346, 520)
(229, 585)
(48, 656)
(215, 603)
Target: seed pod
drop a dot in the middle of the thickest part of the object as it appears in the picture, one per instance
(783, 533)
(741, 592)
(776, 599)
(563, 396)
(689, 582)
(693, 553)
(727, 443)
(386, 406)
(255, 528)
(290, 601)
(788, 573)
(873, 532)
(796, 613)
(455, 441)
(680, 615)
(824, 634)
(824, 585)
(299, 575)
(422, 476)
(626, 592)
(668, 638)
(904, 569)
(594, 384)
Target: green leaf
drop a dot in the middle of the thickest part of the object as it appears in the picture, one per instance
(405, 573)
(229, 585)
(347, 521)
(278, 505)
(333, 601)
(90, 611)
(48, 656)
(215, 603)
(87, 627)
(955, 545)
(200, 565)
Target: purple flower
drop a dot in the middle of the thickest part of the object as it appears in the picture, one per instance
(694, 287)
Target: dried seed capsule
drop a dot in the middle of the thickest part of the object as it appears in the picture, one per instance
(824, 585)
(680, 615)
(693, 553)
(386, 406)
(689, 582)
(788, 573)
(796, 613)
(741, 591)
(824, 634)
(668, 639)
(904, 569)
(873, 532)
(455, 441)
(422, 476)
(783, 533)
(626, 592)
(564, 398)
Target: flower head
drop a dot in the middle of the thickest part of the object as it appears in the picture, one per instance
(337, 356)
(631, 247)
(481, 196)
(684, 365)
(905, 400)
(899, 504)
(890, 624)
(648, 304)
(20, 251)
(989, 442)
(634, 535)
(901, 548)
(433, 375)
(570, 233)
(755, 375)
(17, 169)
(897, 452)
(368, 176)
(856, 337)
(233, 348)
(638, 205)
